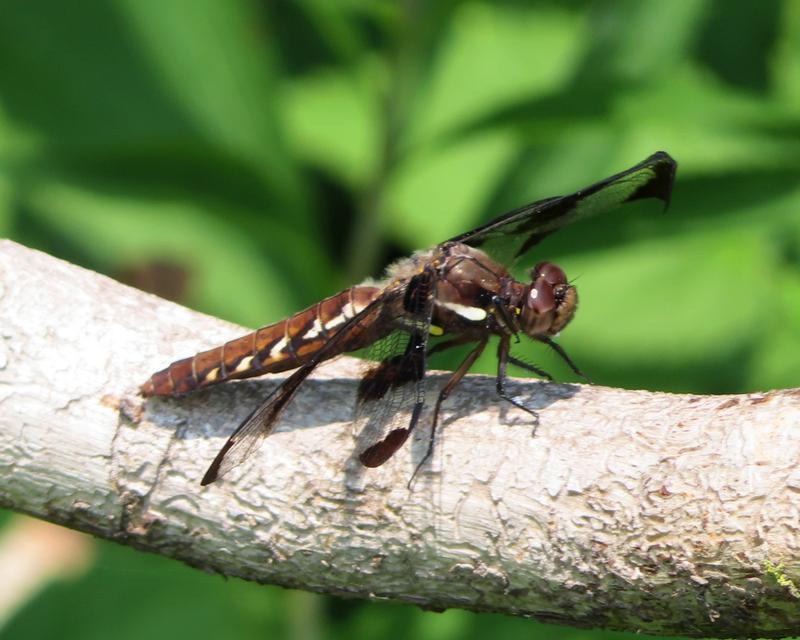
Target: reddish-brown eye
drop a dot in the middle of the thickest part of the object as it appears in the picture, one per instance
(552, 273)
(541, 298)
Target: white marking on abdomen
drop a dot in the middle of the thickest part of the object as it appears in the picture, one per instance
(244, 364)
(335, 321)
(474, 314)
(314, 331)
(278, 348)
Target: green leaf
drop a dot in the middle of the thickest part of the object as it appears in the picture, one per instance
(637, 40)
(439, 192)
(228, 276)
(786, 62)
(332, 120)
(663, 300)
(494, 55)
(216, 62)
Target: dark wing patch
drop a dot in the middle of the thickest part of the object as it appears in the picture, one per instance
(512, 234)
(393, 371)
(391, 394)
(263, 420)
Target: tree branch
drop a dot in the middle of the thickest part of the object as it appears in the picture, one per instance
(662, 513)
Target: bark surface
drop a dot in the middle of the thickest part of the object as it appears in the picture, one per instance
(652, 512)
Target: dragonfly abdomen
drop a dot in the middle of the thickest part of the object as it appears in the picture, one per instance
(281, 346)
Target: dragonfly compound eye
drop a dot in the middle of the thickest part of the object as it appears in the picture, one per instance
(548, 308)
(541, 298)
(552, 273)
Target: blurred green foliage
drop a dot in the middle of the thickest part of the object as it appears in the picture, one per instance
(261, 155)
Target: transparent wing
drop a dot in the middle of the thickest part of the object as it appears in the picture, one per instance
(257, 426)
(263, 420)
(391, 394)
(511, 235)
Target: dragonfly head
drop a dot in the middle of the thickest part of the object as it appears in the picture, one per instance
(550, 301)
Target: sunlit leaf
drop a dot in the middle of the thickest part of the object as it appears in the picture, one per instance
(638, 40)
(216, 62)
(786, 62)
(660, 300)
(332, 120)
(438, 193)
(493, 55)
(227, 275)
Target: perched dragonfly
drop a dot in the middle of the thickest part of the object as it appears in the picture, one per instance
(459, 292)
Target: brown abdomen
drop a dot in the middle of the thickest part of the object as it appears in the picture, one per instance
(284, 345)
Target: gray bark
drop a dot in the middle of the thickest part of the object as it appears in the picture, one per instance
(661, 513)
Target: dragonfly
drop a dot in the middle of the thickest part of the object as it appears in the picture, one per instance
(460, 292)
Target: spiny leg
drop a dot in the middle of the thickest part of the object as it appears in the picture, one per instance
(502, 365)
(530, 367)
(451, 384)
(560, 351)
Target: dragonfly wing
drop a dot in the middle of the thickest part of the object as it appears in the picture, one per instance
(511, 235)
(391, 395)
(263, 420)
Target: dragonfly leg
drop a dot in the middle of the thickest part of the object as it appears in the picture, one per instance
(465, 338)
(502, 365)
(530, 367)
(506, 318)
(560, 351)
(451, 384)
